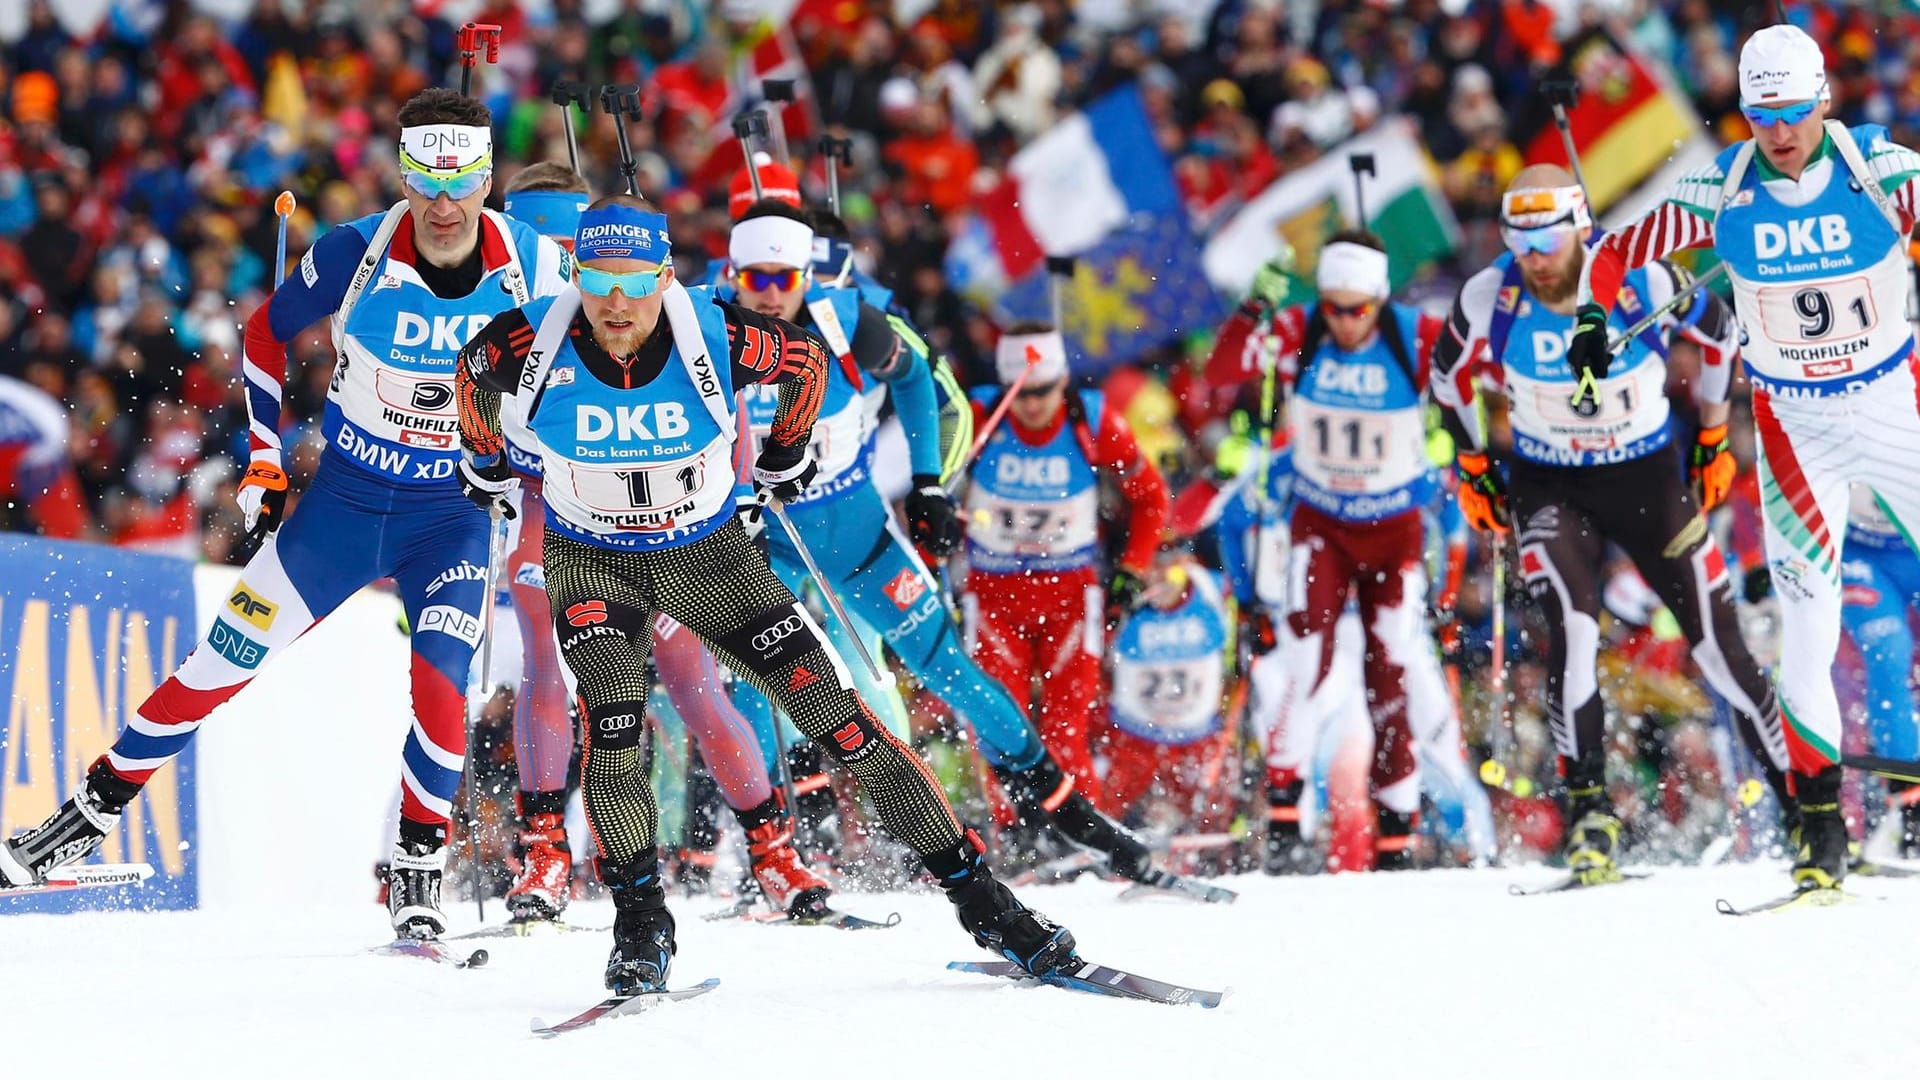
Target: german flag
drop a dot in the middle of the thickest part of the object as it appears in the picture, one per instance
(1626, 122)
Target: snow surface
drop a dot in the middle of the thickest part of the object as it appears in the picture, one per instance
(1432, 974)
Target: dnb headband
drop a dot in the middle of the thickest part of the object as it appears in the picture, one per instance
(446, 149)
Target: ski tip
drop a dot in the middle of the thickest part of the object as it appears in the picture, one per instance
(892, 919)
(1725, 907)
(537, 1026)
(477, 958)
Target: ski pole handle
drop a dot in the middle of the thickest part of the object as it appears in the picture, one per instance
(745, 127)
(283, 205)
(473, 39)
(567, 93)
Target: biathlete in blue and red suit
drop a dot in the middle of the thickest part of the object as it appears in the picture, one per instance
(404, 289)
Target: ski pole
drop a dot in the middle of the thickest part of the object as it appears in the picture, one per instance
(567, 93)
(1362, 165)
(622, 101)
(883, 677)
(471, 39)
(1493, 772)
(745, 126)
(838, 152)
(1563, 94)
(283, 204)
(1890, 768)
(495, 536)
(1682, 297)
(1587, 384)
(777, 92)
(1058, 267)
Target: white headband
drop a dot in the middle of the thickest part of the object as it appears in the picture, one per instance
(781, 241)
(1046, 352)
(445, 147)
(1348, 267)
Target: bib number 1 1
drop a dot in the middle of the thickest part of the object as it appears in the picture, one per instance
(640, 485)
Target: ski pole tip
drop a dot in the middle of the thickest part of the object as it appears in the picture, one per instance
(283, 204)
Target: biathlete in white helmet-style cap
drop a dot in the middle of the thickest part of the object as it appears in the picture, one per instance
(1811, 218)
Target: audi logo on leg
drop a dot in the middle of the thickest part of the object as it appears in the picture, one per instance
(611, 724)
(777, 633)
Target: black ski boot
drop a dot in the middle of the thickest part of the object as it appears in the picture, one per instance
(1031, 790)
(816, 812)
(1393, 839)
(643, 944)
(1287, 851)
(71, 834)
(1821, 859)
(999, 923)
(1905, 798)
(413, 882)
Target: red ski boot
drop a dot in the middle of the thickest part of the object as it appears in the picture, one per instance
(546, 870)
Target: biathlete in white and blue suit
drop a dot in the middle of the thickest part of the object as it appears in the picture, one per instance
(851, 533)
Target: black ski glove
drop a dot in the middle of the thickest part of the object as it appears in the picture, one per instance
(489, 487)
(784, 472)
(931, 516)
(1123, 593)
(1587, 353)
(1758, 584)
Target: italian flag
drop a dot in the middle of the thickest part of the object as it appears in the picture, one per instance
(1404, 203)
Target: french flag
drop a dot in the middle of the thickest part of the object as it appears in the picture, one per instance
(1068, 189)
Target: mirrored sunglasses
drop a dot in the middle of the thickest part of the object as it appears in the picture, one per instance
(762, 280)
(635, 285)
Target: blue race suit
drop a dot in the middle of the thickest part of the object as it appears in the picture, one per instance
(1881, 587)
(852, 535)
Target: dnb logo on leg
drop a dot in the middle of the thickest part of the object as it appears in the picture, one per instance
(587, 613)
(239, 649)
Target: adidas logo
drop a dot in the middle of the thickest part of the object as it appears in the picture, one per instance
(802, 678)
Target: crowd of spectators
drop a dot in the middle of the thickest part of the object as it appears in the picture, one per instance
(142, 143)
(139, 154)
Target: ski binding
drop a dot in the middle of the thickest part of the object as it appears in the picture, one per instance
(621, 1006)
(1097, 979)
(86, 876)
(431, 949)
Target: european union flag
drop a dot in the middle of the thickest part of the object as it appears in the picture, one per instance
(1139, 288)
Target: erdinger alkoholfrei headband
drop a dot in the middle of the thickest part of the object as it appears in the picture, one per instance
(1046, 352)
(771, 240)
(622, 232)
(1540, 207)
(446, 149)
(1349, 267)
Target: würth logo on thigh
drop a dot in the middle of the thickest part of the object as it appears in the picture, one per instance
(850, 737)
(587, 613)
